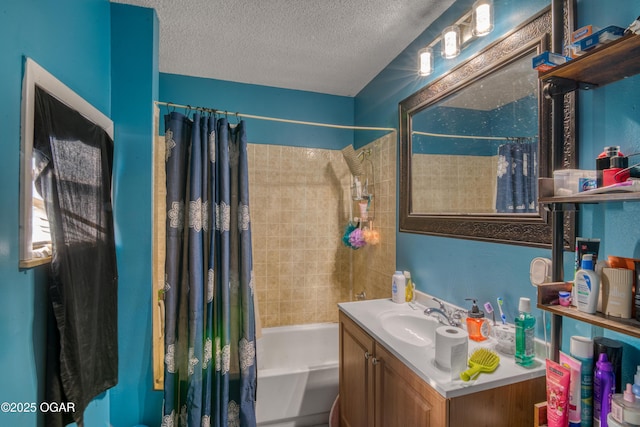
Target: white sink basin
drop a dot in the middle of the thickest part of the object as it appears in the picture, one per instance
(416, 329)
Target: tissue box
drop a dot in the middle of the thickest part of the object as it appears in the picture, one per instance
(548, 60)
(583, 32)
(567, 182)
(598, 38)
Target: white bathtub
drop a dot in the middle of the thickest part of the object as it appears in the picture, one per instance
(297, 375)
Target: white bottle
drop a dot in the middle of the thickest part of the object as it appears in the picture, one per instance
(587, 284)
(398, 285)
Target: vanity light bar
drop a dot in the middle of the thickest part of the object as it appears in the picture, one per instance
(476, 23)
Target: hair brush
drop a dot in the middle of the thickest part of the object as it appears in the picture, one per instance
(481, 360)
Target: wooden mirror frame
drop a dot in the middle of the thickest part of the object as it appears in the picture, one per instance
(521, 229)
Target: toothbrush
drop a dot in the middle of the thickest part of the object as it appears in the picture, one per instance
(489, 309)
(502, 316)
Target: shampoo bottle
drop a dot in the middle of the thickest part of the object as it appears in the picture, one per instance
(525, 328)
(604, 387)
(398, 284)
(587, 284)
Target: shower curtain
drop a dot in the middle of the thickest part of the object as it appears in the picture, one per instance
(516, 190)
(210, 348)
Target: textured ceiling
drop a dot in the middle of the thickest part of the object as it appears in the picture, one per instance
(331, 46)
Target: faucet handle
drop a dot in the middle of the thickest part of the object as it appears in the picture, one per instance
(442, 306)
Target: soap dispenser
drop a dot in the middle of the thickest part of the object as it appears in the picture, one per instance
(477, 325)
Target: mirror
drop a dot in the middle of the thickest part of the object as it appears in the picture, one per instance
(474, 142)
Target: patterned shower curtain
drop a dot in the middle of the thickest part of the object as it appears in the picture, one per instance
(516, 190)
(210, 346)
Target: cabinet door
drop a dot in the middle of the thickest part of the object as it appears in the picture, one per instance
(356, 375)
(403, 398)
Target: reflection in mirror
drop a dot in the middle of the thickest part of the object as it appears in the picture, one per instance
(475, 151)
(474, 141)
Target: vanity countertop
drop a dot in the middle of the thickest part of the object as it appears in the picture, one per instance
(421, 359)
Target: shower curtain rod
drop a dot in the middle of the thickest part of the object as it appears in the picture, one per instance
(497, 138)
(273, 119)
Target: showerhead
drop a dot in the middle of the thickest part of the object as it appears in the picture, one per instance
(350, 156)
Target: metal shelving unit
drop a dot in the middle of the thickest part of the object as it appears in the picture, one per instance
(598, 67)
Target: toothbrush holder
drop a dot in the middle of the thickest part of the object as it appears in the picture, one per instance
(505, 336)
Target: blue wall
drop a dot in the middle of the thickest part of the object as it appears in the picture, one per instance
(70, 39)
(134, 87)
(609, 115)
(267, 101)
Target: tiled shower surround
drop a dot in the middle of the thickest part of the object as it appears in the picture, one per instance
(446, 183)
(299, 200)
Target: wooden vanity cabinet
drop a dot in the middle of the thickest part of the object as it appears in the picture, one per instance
(379, 390)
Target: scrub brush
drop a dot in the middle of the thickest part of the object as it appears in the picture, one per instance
(481, 360)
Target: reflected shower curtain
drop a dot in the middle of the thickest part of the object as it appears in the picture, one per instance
(210, 348)
(516, 190)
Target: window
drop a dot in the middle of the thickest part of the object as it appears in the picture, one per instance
(35, 241)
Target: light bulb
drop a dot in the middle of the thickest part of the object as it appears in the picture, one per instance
(451, 42)
(425, 61)
(482, 17)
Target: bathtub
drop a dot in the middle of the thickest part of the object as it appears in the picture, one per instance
(297, 375)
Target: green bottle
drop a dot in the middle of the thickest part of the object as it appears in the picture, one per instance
(525, 333)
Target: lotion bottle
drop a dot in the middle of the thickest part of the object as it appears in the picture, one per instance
(587, 284)
(525, 333)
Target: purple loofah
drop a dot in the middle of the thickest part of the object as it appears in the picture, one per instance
(356, 238)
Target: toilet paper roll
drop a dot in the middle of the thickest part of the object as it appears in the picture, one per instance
(452, 348)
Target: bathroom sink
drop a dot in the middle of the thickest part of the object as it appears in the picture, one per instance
(416, 329)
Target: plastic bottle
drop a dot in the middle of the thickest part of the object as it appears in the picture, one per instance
(625, 409)
(636, 383)
(525, 330)
(587, 283)
(581, 348)
(409, 288)
(603, 161)
(604, 387)
(477, 325)
(398, 284)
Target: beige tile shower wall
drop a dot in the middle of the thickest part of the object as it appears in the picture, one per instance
(443, 183)
(299, 207)
(299, 200)
(373, 266)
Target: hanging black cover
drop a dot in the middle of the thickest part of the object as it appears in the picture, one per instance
(74, 159)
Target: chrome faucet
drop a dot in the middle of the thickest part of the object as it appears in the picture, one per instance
(451, 320)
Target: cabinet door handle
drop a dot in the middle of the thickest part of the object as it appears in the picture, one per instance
(375, 361)
(367, 355)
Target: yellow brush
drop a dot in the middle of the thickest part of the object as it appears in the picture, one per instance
(481, 360)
